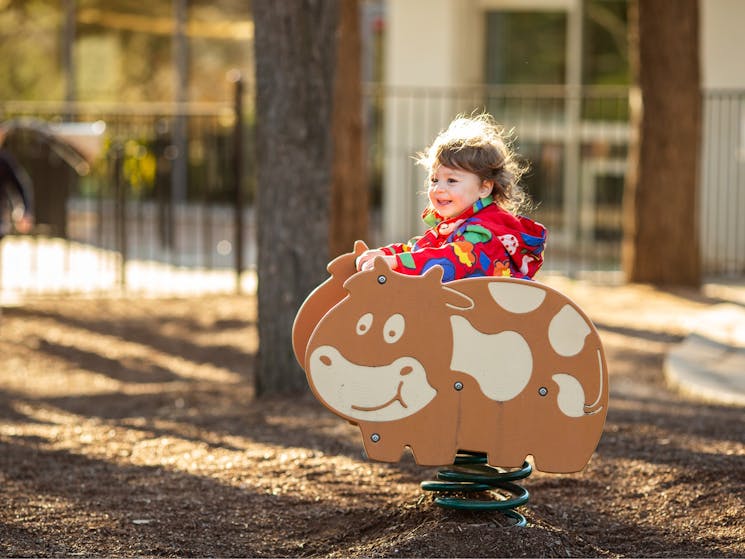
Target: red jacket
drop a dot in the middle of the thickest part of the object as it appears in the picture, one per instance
(483, 241)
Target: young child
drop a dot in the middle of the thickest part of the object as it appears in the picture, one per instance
(473, 199)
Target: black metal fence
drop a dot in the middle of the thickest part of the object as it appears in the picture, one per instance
(162, 199)
(159, 201)
(723, 183)
(575, 141)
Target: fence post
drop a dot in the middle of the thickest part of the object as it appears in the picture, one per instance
(120, 213)
(237, 166)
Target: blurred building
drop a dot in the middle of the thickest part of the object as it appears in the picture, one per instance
(556, 71)
(157, 75)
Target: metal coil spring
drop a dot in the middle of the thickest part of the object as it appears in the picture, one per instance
(473, 474)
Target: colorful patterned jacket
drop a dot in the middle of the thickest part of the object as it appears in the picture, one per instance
(483, 241)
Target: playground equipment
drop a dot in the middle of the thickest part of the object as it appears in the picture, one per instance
(475, 374)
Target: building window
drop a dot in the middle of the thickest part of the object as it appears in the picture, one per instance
(525, 47)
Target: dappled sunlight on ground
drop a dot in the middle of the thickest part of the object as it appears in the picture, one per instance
(128, 427)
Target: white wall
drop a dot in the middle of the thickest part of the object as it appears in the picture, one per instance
(438, 44)
(431, 46)
(722, 43)
(723, 140)
(433, 43)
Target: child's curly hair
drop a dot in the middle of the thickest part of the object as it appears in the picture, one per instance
(479, 145)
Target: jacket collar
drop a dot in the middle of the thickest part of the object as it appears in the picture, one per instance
(432, 218)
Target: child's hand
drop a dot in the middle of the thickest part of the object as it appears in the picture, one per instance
(366, 259)
(367, 256)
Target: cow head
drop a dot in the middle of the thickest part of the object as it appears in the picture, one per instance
(370, 356)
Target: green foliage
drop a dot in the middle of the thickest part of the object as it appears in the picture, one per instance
(122, 50)
(139, 167)
(29, 42)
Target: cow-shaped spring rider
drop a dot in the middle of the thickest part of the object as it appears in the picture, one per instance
(490, 365)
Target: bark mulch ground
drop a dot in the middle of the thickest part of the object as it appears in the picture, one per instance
(128, 428)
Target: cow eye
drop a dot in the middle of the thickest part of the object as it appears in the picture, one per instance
(394, 328)
(364, 323)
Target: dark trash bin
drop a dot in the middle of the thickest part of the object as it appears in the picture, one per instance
(54, 156)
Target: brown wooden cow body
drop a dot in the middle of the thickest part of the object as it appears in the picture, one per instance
(496, 365)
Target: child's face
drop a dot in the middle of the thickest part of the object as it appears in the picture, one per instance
(452, 191)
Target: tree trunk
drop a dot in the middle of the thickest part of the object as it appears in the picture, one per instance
(349, 190)
(661, 239)
(295, 58)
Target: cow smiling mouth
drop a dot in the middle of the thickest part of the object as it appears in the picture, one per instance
(397, 398)
(369, 392)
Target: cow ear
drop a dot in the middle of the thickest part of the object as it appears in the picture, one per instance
(434, 274)
(453, 299)
(359, 247)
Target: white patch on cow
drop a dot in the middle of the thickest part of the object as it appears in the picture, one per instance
(370, 393)
(600, 388)
(501, 363)
(567, 332)
(571, 399)
(515, 297)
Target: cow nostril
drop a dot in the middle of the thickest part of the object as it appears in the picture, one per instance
(326, 360)
(406, 370)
